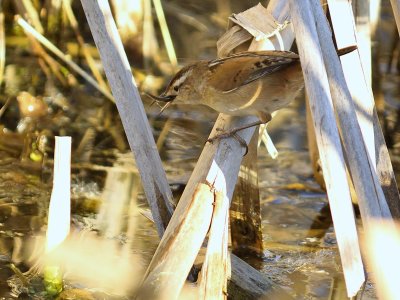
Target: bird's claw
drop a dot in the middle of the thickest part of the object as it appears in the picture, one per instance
(228, 134)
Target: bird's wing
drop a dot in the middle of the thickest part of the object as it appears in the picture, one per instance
(230, 73)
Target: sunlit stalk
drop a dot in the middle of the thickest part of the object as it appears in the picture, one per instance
(165, 32)
(32, 14)
(59, 213)
(149, 45)
(163, 134)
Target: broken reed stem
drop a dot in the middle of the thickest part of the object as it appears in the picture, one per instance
(45, 42)
(59, 221)
(177, 250)
(245, 208)
(266, 139)
(329, 145)
(213, 283)
(59, 218)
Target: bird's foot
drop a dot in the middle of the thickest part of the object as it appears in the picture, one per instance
(228, 134)
(233, 133)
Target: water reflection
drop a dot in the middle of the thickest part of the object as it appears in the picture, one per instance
(300, 248)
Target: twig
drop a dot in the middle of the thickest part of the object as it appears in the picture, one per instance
(4, 107)
(20, 275)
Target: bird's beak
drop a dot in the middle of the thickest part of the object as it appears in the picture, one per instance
(162, 97)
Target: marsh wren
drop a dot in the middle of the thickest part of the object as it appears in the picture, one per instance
(247, 83)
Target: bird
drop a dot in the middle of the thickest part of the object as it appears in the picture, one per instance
(242, 84)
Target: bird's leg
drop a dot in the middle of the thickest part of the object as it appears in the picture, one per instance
(264, 118)
(232, 132)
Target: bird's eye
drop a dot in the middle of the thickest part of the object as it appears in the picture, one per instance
(176, 88)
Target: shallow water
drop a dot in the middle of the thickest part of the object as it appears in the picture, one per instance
(300, 251)
(300, 248)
